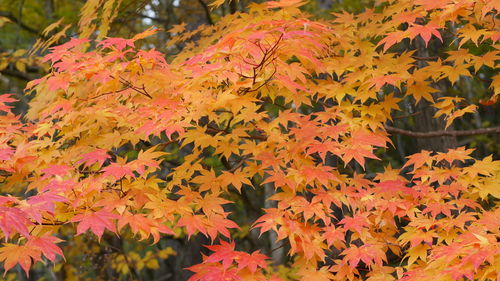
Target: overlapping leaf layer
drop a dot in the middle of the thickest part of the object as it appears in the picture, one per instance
(279, 99)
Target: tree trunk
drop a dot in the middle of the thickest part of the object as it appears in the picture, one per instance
(425, 121)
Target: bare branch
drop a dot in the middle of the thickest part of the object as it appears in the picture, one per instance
(15, 73)
(11, 17)
(482, 131)
(207, 12)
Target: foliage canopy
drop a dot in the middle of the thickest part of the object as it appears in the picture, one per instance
(120, 139)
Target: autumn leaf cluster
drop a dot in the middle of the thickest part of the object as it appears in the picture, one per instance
(279, 99)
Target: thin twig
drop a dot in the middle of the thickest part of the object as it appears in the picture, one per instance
(482, 131)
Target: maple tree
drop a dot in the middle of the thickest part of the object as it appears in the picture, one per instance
(268, 97)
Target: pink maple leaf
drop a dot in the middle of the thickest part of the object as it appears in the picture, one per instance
(55, 170)
(4, 99)
(47, 245)
(118, 171)
(96, 156)
(97, 222)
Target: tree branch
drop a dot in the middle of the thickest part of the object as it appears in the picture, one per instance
(482, 131)
(15, 73)
(11, 71)
(207, 12)
(160, 20)
(11, 17)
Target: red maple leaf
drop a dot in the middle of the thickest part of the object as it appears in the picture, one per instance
(220, 225)
(380, 81)
(392, 38)
(118, 171)
(47, 245)
(95, 221)
(13, 220)
(358, 222)
(4, 99)
(425, 31)
(419, 159)
(6, 153)
(55, 170)
(96, 156)
(193, 223)
(145, 226)
(58, 82)
(323, 174)
(223, 252)
(252, 261)
(119, 43)
(40, 203)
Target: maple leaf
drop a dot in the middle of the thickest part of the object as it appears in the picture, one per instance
(179, 28)
(14, 220)
(357, 153)
(322, 274)
(392, 38)
(419, 159)
(458, 154)
(362, 137)
(265, 93)
(97, 222)
(335, 236)
(220, 225)
(55, 170)
(357, 223)
(143, 225)
(380, 81)
(6, 98)
(456, 71)
(47, 245)
(223, 252)
(406, 17)
(432, 4)
(212, 204)
(487, 59)
(323, 174)
(205, 272)
(146, 159)
(268, 220)
(237, 179)
(6, 153)
(215, 4)
(460, 112)
(437, 208)
(119, 43)
(12, 254)
(393, 186)
(57, 82)
(322, 148)
(37, 204)
(291, 85)
(252, 261)
(118, 171)
(421, 90)
(193, 223)
(425, 31)
(57, 52)
(284, 3)
(369, 254)
(146, 33)
(469, 32)
(97, 156)
(419, 251)
(56, 185)
(152, 55)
